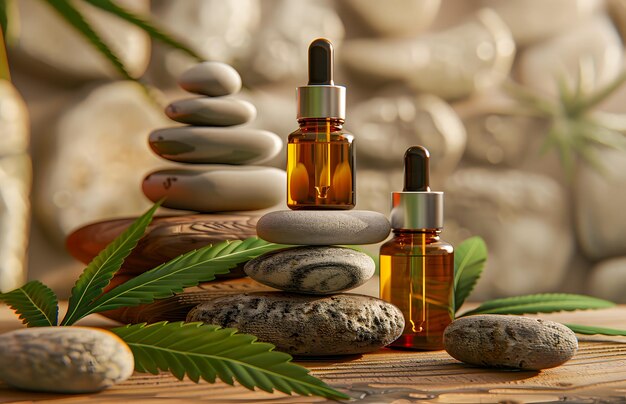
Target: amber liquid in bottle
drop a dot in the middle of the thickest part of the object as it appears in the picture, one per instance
(417, 276)
(320, 166)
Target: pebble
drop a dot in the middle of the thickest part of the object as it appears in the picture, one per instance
(165, 238)
(211, 111)
(302, 325)
(189, 144)
(211, 78)
(217, 188)
(314, 270)
(323, 227)
(64, 359)
(510, 342)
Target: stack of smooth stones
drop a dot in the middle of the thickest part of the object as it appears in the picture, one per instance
(311, 317)
(218, 175)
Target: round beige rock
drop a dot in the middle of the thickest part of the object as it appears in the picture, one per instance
(300, 325)
(205, 111)
(510, 342)
(64, 359)
(211, 78)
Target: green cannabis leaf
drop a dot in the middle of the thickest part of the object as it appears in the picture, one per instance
(35, 303)
(591, 330)
(208, 351)
(101, 269)
(149, 27)
(76, 19)
(469, 261)
(184, 271)
(540, 303)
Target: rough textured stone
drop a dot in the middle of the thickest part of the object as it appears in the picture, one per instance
(215, 145)
(165, 238)
(217, 188)
(211, 78)
(472, 56)
(305, 325)
(211, 111)
(608, 278)
(323, 227)
(64, 359)
(314, 270)
(510, 342)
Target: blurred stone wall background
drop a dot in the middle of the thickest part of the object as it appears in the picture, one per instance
(418, 72)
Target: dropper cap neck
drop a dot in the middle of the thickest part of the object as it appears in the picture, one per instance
(417, 207)
(321, 98)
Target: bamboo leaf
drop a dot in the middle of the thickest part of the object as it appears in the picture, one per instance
(540, 303)
(591, 330)
(203, 351)
(469, 261)
(35, 303)
(101, 269)
(150, 28)
(76, 19)
(184, 271)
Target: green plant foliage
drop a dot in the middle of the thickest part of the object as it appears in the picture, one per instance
(76, 19)
(35, 303)
(591, 330)
(208, 351)
(540, 303)
(184, 271)
(469, 261)
(3, 17)
(150, 28)
(101, 269)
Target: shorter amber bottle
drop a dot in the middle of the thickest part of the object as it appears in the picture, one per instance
(320, 154)
(416, 266)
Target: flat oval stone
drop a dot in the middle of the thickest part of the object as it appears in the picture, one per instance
(211, 111)
(165, 238)
(312, 270)
(310, 227)
(211, 78)
(217, 188)
(509, 342)
(192, 144)
(342, 324)
(64, 359)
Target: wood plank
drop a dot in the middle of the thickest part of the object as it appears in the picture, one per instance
(597, 371)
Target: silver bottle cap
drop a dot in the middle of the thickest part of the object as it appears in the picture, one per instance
(416, 207)
(321, 98)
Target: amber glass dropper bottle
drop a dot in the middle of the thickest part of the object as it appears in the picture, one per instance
(320, 154)
(416, 266)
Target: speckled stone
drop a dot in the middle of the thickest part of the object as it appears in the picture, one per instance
(312, 270)
(211, 111)
(64, 359)
(302, 325)
(510, 342)
(323, 227)
(190, 144)
(211, 78)
(217, 188)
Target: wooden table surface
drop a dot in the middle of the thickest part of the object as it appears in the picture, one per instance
(596, 374)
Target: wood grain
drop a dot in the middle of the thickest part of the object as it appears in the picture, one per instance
(597, 372)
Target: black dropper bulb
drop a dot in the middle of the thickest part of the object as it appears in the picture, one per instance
(321, 62)
(416, 171)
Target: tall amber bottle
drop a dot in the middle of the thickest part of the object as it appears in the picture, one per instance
(416, 266)
(320, 154)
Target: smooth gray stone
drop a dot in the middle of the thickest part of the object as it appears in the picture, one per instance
(309, 227)
(192, 144)
(211, 111)
(312, 270)
(217, 188)
(302, 325)
(509, 342)
(64, 359)
(211, 78)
